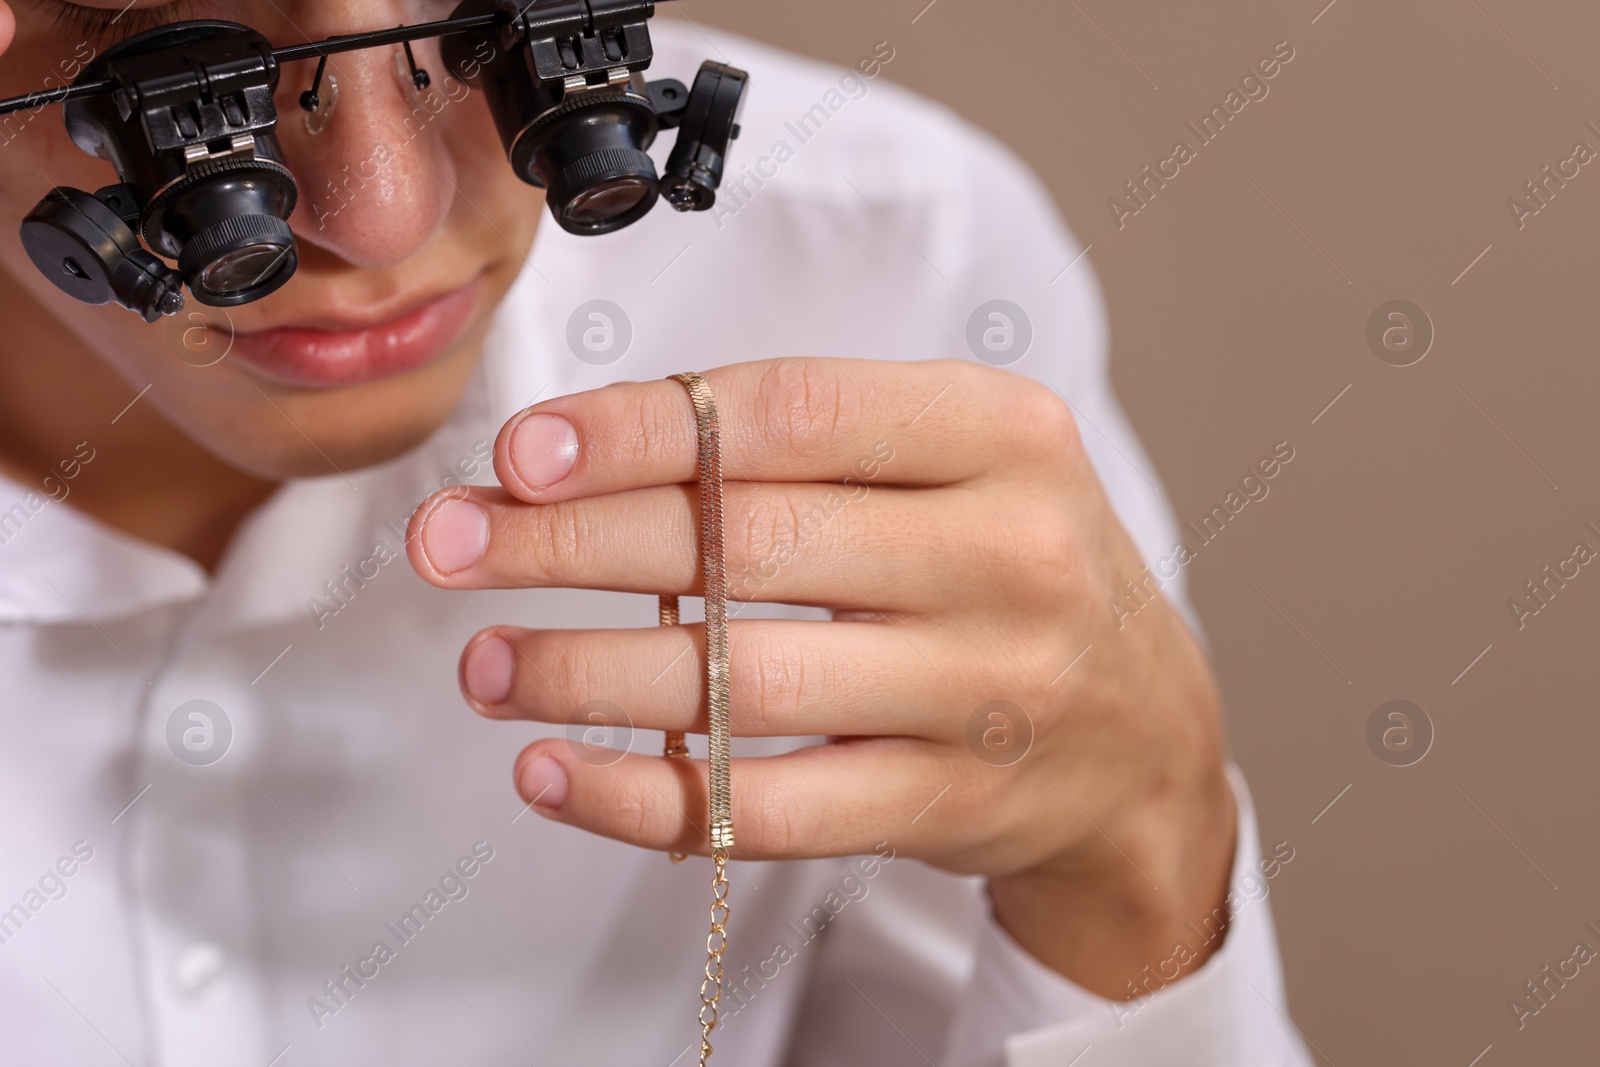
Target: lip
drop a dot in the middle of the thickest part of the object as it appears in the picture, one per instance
(333, 352)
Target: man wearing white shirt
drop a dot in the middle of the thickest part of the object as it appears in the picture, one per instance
(983, 819)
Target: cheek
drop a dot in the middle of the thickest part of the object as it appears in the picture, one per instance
(36, 154)
(474, 145)
(136, 351)
(35, 151)
(497, 215)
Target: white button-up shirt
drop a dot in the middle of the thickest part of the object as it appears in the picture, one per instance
(250, 822)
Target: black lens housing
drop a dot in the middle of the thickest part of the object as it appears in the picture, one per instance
(193, 128)
(589, 155)
(561, 80)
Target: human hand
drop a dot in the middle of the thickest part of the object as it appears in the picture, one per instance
(948, 516)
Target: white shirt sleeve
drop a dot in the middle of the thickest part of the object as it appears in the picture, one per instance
(917, 971)
(1016, 1012)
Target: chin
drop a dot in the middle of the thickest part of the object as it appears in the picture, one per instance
(276, 432)
(280, 457)
(283, 460)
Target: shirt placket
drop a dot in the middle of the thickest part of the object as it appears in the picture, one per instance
(189, 871)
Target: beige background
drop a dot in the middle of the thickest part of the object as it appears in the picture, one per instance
(1382, 562)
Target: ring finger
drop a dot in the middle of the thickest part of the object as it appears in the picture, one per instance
(789, 678)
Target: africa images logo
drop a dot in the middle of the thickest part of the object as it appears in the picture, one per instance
(599, 333)
(199, 733)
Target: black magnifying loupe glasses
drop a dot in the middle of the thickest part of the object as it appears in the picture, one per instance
(186, 115)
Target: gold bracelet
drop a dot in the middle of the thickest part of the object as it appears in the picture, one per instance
(714, 573)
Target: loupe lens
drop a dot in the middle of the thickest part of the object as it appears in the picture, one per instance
(235, 245)
(243, 270)
(597, 206)
(602, 192)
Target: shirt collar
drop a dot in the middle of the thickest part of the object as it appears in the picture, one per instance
(58, 565)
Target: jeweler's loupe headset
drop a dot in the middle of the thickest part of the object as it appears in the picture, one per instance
(185, 113)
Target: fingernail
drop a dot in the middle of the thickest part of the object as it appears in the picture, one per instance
(544, 449)
(544, 783)
(486, 676)
(455, 536)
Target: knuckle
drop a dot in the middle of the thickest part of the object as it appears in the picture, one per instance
(1020, 668)
(766, 818)
(564, 678)
(1032, 554)
(800, 405)
(635, 427)
(769, 680)
(1044, 422)
(554, 540)
(973, 795)
(1055, 558)
(770, 523)
(632, 806)
(779, 525)
(664, 428)
(1035, 670)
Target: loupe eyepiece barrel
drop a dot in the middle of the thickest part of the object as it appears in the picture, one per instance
(192, 131)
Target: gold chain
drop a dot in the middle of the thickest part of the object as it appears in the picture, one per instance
(676, 746)
(716, 944)
(715, 582)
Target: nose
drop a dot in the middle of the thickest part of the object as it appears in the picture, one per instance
(377, 181)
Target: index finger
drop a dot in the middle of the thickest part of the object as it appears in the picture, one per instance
(791, 420)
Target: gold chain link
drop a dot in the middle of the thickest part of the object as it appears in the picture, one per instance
(719, 741)
(716, 944)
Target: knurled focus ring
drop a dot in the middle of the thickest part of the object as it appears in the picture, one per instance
(626, 160)
(583, 100)
(153, 212)
(233, 232)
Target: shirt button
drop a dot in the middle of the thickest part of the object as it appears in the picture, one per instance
(197, 969)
